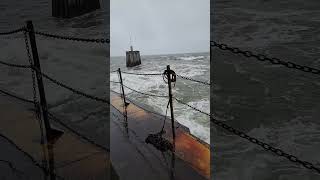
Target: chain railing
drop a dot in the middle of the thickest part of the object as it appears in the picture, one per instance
(34, 66)
(276, 61)
(169, 77)
(13, 31)
(261, 57)
(241, 134)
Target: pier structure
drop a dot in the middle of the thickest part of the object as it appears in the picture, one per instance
(73, 8)
(133, 58)
(132, 156)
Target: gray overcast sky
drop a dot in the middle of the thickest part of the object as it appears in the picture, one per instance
(159, 27)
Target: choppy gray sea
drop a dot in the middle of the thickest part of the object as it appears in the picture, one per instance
(277, 105)
(193, 65)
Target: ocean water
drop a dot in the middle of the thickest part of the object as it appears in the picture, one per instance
(277, 105)
(193, 65)
(82, 66)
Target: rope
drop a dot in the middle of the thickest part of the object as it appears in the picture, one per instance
(101, 40)
(13, 31)
(266, 146)
(15, 65)
(194, 80)
(165, 117)
(261, 57)
(162, 96)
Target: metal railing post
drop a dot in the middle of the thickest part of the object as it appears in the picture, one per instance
(43, 101)
(125, 104)
(172, 123)
(171, 103)
(36, 63)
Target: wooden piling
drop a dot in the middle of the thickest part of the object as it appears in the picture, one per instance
(73, 8)
(133, 58)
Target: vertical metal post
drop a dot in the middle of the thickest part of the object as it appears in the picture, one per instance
(172, 124)
(171, 104)
(122, 89)
(43, 101)
(36, 63)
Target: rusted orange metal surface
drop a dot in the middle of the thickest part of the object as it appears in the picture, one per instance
(74, 158)
(187, 147)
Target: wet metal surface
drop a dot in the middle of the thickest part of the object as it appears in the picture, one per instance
(191, 159)
(74, 158)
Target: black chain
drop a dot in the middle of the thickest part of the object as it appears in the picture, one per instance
(266, 146)
(13, 31)
(115, 81)
(262, 57)
(17, 97)
(98, 99)
(35, 100)
(137, 105)
(141, 74)
(77, 133)
(101, 40)
(179, 101)
(154, 95)
(12, 167)
(27, 155)
(15, 65)
(190, 79)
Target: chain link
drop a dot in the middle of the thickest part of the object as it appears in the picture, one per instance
(261, 57)
(141, 74)
(190, 79)
(154, 95)
(253, 140)
(28, 155)
(13, 31)
(101, 40)
(115, 82)
(17, 97)
(35, 100)
(77, 133)
(113, 71)
(98, 99)
(15, 65)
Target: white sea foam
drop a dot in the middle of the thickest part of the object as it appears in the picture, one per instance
(189, 58)
(195, 121)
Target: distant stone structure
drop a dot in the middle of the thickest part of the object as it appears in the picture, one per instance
(73, 8)
(133, 58)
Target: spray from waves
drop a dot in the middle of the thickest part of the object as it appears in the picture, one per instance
(189, 92)
(189, 58)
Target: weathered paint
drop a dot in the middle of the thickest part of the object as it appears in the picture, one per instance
(188, 148)
(133, 58)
